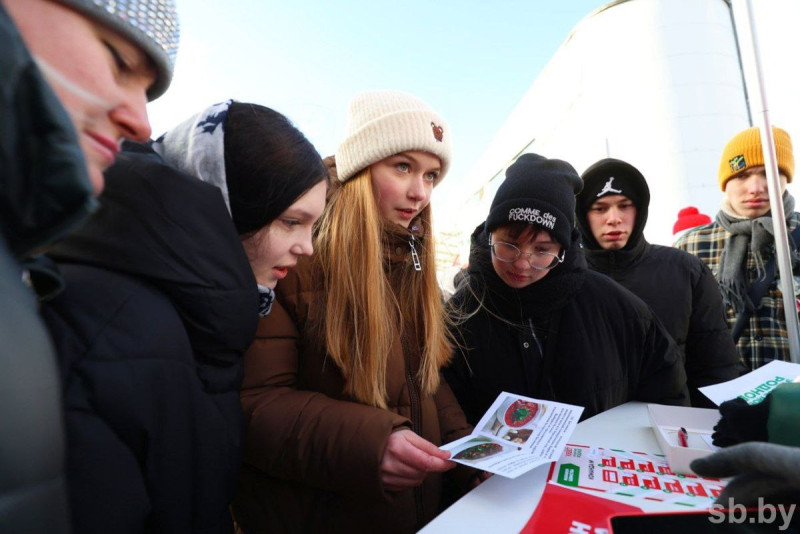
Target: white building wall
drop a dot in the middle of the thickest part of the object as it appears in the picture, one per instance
(657, 83)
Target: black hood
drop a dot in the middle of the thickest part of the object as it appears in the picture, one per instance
(594, 178)
(174, 232)
(44, 186)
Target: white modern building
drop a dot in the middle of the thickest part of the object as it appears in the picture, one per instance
(662, 84)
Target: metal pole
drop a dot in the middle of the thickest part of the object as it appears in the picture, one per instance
(776, 202)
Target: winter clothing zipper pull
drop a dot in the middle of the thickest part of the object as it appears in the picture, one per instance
(414, 255)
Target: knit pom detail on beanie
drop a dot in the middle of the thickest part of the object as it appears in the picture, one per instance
(689, 217)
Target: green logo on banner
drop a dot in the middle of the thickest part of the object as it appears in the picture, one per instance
(569, 474)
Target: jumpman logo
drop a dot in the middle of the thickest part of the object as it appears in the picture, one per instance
(608, 189)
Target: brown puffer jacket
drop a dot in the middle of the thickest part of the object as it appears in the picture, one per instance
(312, 454)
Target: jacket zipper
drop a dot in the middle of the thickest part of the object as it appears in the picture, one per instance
(413, 396)
(414, 255)
(536, 339)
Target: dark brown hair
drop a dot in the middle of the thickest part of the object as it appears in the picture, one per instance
(269, 164)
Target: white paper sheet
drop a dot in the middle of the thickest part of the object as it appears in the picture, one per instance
(755, 385)
(516, 434)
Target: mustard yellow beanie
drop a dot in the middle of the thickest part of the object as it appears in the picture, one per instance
(744, 151)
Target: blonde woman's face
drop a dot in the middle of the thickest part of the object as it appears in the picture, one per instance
(275, 249)
(403, 184)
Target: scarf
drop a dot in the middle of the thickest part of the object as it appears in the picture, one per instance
(197, 147)
(755, 235)
(266, 296)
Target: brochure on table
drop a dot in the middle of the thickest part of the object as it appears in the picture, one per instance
(516, 434)
(636, 478)
(755, 385)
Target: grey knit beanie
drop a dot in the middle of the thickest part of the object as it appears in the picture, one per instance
(150, 24)
(385, 123)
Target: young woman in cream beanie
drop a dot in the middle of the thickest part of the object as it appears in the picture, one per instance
(342, 392)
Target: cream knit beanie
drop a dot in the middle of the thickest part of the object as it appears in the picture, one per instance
(385, 123)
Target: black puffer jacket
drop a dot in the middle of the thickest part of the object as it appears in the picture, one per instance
(575, 337)
(679, 288)
(44, 192)
(160, 305)
(684, 295)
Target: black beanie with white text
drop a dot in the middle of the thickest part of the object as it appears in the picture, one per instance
(537, 191)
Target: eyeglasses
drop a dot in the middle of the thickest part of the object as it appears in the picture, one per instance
(539, 259)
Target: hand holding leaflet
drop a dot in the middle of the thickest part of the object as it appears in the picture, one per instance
(517, 434)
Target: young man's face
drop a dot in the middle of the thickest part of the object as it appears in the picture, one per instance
(747, 192)
(611, 219)
(100, 77)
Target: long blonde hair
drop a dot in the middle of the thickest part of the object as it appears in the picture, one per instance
(359, 318)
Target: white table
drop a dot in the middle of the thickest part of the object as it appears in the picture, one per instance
(505, 505)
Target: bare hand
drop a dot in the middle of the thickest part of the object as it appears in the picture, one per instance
(408, 459)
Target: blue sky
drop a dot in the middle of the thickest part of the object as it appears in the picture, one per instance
(470, 60)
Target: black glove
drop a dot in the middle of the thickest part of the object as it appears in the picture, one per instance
(764, 470)
(741, 422)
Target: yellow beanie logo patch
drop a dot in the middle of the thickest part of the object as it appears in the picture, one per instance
(737, 163)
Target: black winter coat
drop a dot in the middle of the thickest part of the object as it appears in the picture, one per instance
(575, 337)
(160, 305)
(678, 287)
(44, 192)
(685, 296)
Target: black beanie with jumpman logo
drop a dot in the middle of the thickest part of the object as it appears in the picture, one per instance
(611, 176)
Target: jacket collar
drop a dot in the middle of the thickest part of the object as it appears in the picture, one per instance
(608, 261)
(397, 240)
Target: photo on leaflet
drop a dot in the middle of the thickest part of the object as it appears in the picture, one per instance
(515, 419)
